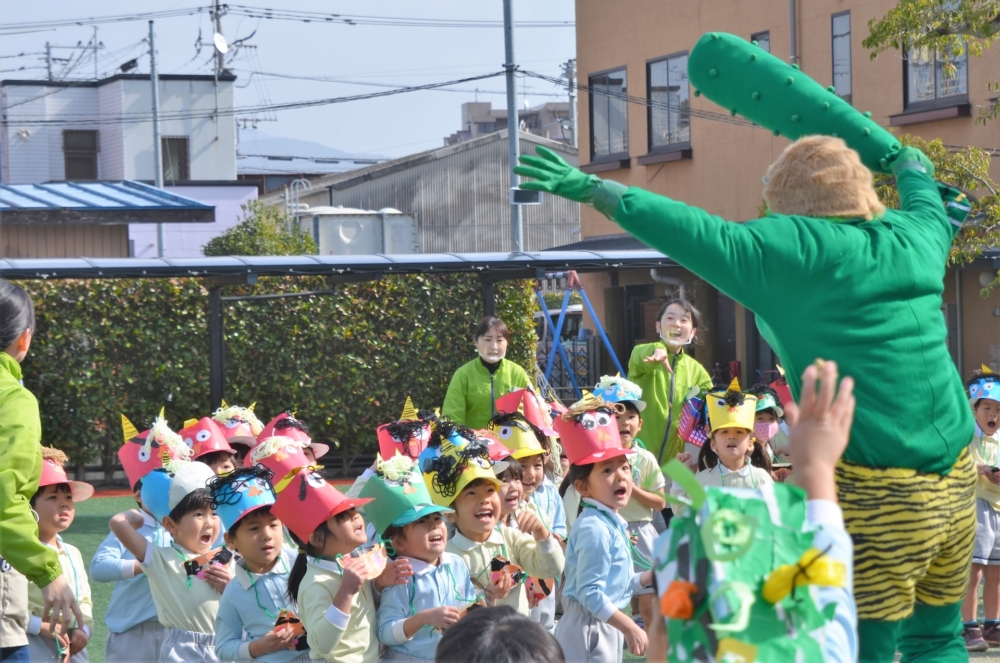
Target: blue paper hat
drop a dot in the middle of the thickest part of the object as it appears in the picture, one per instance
(986, 386)
(619, 390)
(238, 494)
(155, 493)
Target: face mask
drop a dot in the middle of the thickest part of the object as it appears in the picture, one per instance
(491, 358)
(676, 341)
(765, 432)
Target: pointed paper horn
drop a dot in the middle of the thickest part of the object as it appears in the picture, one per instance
(163, 412)
(987, 370)
(252, 406)
(780, 369)
(734, 385)
(409, 412)
(128, 429)
(224, 405)
(190, 422)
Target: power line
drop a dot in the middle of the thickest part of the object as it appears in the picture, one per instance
(98, 20)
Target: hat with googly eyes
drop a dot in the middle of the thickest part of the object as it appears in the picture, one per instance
(204, 437)
(986, 385)
(307, 500)
(143, 452)
(731, 408)
(588, 431)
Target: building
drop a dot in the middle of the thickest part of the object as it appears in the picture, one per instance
(681, 146)
(459, 196)
(549, 120)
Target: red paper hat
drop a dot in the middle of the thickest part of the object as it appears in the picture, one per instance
(589, 432)
(308, 500)
(295, 429)
(525, 401)
(407, 436)
(140, 455)
(204, 437)
(53, 473)
(282, 455)
(493, 444)
(781, 386)
(239, 424)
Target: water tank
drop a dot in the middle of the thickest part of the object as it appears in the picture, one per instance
(343, 231)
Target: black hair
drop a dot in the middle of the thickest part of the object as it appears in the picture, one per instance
(59, 488)
(290, 422)
(576, 473)
(498, 635)
(513, 471)
(215, 456)
(137, 486)
(196, 499)
(707, 458)
(760, 390)
(491, 323)
(449, 468)
(306, 549)
(404, 430)
(225, 488)
(17, 313)
(630, 405)
(696, 321)
(264, 510)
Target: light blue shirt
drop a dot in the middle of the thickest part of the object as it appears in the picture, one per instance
(131, 602)
(243, 611)
(840, 635)
(598, 572)
(431, 586)
(550, 503)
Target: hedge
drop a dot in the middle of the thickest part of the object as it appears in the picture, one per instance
(345, 363)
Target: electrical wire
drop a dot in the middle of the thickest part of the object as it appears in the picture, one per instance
(99, 20)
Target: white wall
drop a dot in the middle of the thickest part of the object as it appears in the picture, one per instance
(184, 240)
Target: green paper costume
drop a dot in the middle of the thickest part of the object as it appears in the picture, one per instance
(866, 294)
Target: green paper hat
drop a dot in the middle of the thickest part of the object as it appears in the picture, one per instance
(767, 402)
(737, 575)
(400, 495)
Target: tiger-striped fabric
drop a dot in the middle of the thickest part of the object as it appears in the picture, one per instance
(913, 535)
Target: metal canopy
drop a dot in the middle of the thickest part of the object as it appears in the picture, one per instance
(108, 202)
(497, 265)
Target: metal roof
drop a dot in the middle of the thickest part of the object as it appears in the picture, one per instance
(108, 202)
(497, 265)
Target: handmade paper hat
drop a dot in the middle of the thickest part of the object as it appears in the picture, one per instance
(766, 401)
(781, 387)
(407, 436)
(737, 575)
(239, 424)
(53, 473)
(156, 493)
(164, 488)
(236, 494)
(617, 389)
(588, 431)
(731, 408)
(143, 452)
(986, 386)
(528, 403)
(204, 437)
(285, 424)
(454, 459)
(494, 446)
(281, 455)
(307, 500)
(517, 434)
(399, 493)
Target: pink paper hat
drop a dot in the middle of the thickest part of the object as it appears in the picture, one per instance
(306, 501)
(526, 402)
(589, 432)
(204, 437)
(286, 425)
(143, 452)
(53, 473)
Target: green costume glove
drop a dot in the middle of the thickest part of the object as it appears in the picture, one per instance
(554, 175)
(911, 157)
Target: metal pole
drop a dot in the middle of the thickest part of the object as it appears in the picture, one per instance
(220, 58)
(157, 156)
(48, 58)
(571, 78)
(513, 134)
(216, 349)
(96, 74)
(792, 36)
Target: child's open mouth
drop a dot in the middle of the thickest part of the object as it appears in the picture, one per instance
(484, 515)
(435, 538)
(206, 539)
(991, 424)
(620, 493)
(512, 499)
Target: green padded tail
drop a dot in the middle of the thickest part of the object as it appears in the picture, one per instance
(748, 81)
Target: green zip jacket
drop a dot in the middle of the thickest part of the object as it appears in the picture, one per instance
(473, 392)
(20, 470)
(655, 379)
(866, 294)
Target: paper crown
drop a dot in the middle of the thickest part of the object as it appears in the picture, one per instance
(53, 473)
(517, 434)
(987, 385)
(287, 425)
(407, 436)
(454, 459)
(731, 408)
(239, 424)
(494, 446)
(283, 456)
(737, 574)
(588, 431)
(399, 495)
(617, 389)
(236, 494)
(143, 452)
(164, 488)
(204, 437)
(528, 403)
(307, 500)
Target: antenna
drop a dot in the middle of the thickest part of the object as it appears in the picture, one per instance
(221, 45)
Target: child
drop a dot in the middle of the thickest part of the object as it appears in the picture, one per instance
(472, 493)
(245, 627)
(286, 425)
(240, 427)
(723, 461)
(798, 563)
(510, 492)
(599, 579)
(186, 595)
(135, 634)
(984, 396)
(767, 422)
(208, 445)
(498, 635)
(54, 504)
(411, 618)
(647, 482)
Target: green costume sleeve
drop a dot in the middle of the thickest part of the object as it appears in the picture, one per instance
(638, 368)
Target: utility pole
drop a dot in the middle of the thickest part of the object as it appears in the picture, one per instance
(48, 58)
(157, 156)
(569, 71)
(220, 58)
(96, 75)
(513, 123)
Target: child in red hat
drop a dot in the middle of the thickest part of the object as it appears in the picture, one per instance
(209, 444)
(54, 507)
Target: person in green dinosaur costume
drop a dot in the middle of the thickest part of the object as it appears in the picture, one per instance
(831, 273)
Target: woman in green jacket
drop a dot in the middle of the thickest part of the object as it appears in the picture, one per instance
(476, 386)
(667, 374)
(22, 556)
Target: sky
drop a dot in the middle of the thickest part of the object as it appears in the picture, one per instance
(383, 54)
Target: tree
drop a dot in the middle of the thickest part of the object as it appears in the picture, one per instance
(263, 231)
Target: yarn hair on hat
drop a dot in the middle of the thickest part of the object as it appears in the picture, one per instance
(244, 414)
(225, 487)
(54, 455)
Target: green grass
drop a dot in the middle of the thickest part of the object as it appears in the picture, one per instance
(88, 530)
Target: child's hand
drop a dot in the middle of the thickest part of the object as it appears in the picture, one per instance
(660, 356)
(356, 573)
(272, 641)
(499, 591)
(987, 471)
(218, 576)
(441, 618)
(77, 641)
(529, 523)
(52, 631)
(636, 639)
(396, 572)
(689, 461)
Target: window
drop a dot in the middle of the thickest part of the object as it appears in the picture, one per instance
(841, 31)
(935, 79)
(175, 158)
(80, 150)
(485, 127)
(608, 114)
(763, 39)
(670, 106)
